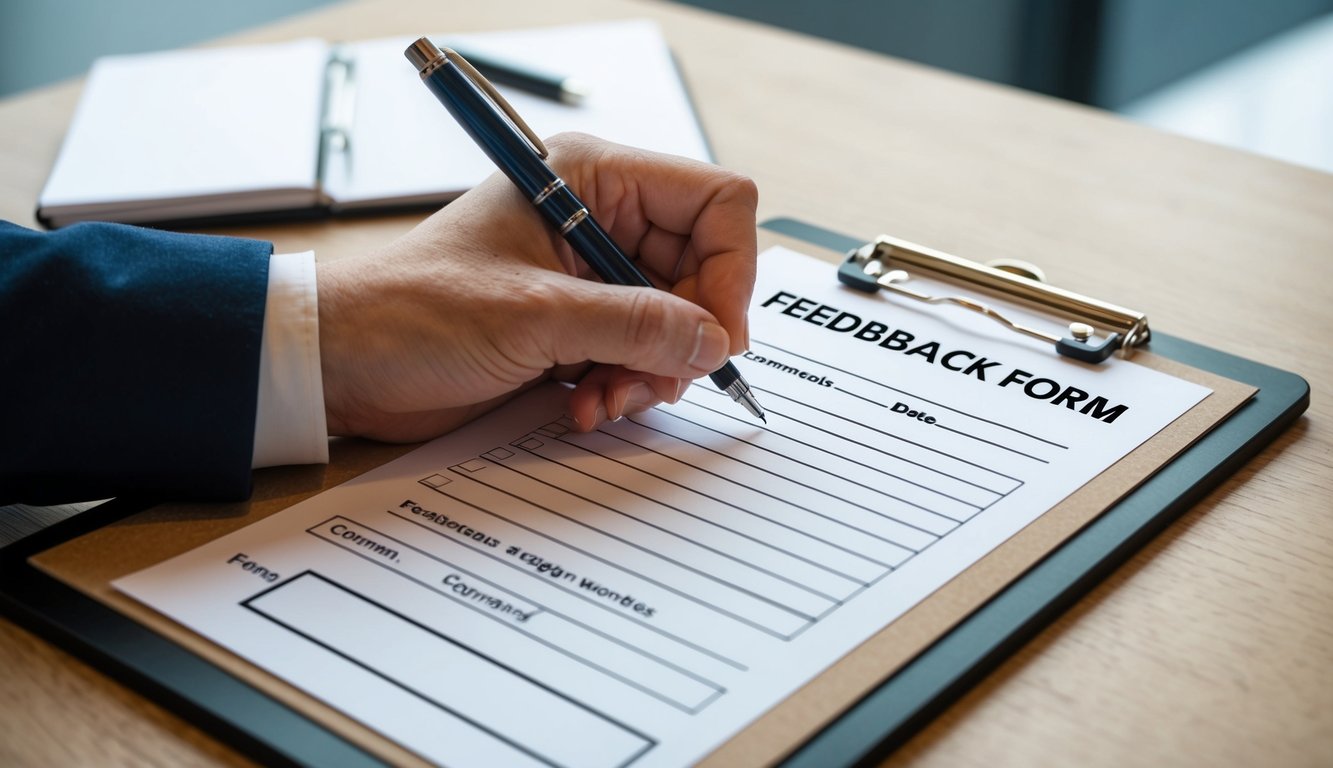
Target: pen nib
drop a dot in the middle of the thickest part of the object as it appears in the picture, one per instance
(740, 392)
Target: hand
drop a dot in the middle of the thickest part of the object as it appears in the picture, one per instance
(483, 299)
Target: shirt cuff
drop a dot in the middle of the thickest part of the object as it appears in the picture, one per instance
(289, 421)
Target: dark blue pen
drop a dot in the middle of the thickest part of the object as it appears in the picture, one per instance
(519, 153)
(566, 90)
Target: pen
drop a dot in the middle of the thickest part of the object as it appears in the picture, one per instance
(567, 90)
(520, 154)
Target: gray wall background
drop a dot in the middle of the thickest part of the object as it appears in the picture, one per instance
(1101, 52)
(42, 41)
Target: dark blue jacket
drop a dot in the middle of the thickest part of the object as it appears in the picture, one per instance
(129, 363)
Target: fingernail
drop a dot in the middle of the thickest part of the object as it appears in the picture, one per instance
(680, 390)
(710, 348)
(598, 417)
(638, 397)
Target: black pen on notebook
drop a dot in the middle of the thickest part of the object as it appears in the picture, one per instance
(520, 154)
(548, 85)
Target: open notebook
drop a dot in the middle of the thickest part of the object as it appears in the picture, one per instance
(308, 126)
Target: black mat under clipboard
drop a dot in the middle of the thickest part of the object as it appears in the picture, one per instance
(275, 733)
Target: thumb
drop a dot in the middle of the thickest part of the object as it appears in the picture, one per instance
(644, 329)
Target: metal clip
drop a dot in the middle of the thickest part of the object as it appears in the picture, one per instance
(339, 113)
(427, 57)
(485, 85)
(874, 266)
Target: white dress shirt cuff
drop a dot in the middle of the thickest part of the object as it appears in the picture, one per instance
(289, 420)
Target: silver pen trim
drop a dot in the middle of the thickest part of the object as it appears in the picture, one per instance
(573, 221)
(740, 392)
(550, 189)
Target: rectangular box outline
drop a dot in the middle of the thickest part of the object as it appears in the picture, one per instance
(537, 607)
(649, 742)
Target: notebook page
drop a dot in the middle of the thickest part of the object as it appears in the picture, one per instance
(193, 124)
(405, 145)
(521, 594)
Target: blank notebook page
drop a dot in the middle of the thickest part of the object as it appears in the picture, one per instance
(406, 145)
(195, 123)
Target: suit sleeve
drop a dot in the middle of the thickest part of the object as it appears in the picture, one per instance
(129, 363)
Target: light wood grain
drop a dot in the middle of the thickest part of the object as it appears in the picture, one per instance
(1213, 646)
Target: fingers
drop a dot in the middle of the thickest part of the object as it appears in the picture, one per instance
(690, 223)
(608, 393)
(481, 298)
(721, 230)
(640, 328)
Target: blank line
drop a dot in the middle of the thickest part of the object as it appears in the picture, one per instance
(873, 489)
(700, 518)
(673, 414)
(761, 492)
(909, 394)
(900, 439)
(735, 506)
(617, 566)
(669, 532)
(861, 397)
(888, 454)
(903, 459)
(990, 442)
(558, 585)
(651, 552)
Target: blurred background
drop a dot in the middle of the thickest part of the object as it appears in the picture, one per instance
(1251, 74)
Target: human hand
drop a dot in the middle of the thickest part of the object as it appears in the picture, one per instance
(483, 299)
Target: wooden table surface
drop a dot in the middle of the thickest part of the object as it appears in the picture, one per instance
(1212, 646)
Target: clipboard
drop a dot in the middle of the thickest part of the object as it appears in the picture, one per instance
(903, 704)
(276, 733)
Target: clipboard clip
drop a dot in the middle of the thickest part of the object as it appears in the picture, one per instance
(884, 263)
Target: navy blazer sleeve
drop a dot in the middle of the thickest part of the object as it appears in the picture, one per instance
(129, 363)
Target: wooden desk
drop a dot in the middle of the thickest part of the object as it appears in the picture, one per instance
(1213, 646)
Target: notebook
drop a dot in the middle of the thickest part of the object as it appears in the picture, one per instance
(311, 127)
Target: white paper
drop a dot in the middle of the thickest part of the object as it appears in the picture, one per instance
(405, 144)
(184, 124)
(517, 593)
(194, 133)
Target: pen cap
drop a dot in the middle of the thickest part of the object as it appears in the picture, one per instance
(422, 53)
(484, 115)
